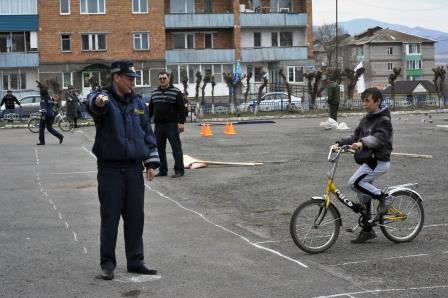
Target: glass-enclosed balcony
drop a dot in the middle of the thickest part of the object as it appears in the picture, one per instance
(196, 20)
(200, 56)
(11, 60)
(273, 54)
(256, 20)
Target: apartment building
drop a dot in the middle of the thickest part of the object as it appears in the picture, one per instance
(19, 59)
(80, 39)
(383, 49)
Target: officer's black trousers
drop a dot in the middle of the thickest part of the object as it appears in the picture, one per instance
(47, 122)
(121, 193)
(170, 132)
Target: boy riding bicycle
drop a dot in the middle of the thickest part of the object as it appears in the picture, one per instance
(372, 140)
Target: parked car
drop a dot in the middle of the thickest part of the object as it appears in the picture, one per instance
(30, 104)
(272, 101)
(146, 95)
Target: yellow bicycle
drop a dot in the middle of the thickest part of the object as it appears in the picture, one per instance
(316, 223)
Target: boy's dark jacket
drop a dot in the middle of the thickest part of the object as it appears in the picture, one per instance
(375, 132)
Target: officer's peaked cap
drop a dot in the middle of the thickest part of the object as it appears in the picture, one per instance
(125, 67)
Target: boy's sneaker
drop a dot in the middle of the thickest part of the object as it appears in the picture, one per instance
(364, 236)
(384, 205)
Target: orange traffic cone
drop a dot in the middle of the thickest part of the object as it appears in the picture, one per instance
(202, 129)
(229, 130)
(208, 131)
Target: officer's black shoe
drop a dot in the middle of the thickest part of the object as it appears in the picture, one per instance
(40, 144)
(161, 174)
(177, 175)
(142, 269)
(364, 236)
(107, 274)
(60, 140)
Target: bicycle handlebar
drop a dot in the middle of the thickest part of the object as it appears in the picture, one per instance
(339, 150)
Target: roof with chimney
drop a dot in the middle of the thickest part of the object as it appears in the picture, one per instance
(410, 87)
(384, 35)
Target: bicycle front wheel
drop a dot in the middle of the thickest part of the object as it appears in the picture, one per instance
(33, 125)
(66, 124)
(404, 220)
(313, 227)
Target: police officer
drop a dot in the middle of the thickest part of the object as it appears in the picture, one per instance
(168, 108)
(9, 101)
(124, 144)
(47, 104)
(334, 95)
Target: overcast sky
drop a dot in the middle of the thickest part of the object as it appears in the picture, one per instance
(431, 14)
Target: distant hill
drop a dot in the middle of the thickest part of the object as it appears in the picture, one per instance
(356, 26)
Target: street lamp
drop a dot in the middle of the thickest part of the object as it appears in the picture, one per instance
(337, 42)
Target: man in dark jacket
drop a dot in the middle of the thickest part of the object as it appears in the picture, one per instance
(333, 94)
(10, 101)
(373, 135)
(124, 145)
(47, 104)
(168, 109)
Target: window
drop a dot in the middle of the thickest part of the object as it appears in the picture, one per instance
(65, 6)
(208, 40)
(295, 74)
(181, 6)
(183, 40)
(141, 41)
(390, 66)
(413, 48)
(67, 79)
(93, 6)
(257, 39)
(208, 6)
(18, 42)
(281, 5)
(18, 7)
(174, 74)
(93, 42)
(390, 51)
(286, 39)
(414, 64)
(217, 73)
(139, 6)
(13, 81)
(143, 80)
(66, 43)
(258, 74)
(274, 39)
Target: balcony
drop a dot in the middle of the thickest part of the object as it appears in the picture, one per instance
(273, 54)
(19, 23)
(12, 60)
(197, 21)
(257, 20)
(200, 56)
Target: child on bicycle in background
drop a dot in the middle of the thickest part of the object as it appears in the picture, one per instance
(372, 140)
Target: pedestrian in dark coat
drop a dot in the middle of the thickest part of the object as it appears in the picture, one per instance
(334, 95)
(124, 145)
(72, 105)
(47, 104)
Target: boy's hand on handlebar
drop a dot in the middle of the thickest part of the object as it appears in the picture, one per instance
(334, 146)
(357, 146)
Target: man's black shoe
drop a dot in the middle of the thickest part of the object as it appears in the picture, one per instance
(142, 269)
(364, 236)
(177, 175)
(107, 274)
(40, 144)
(161, 174)
(60, 140)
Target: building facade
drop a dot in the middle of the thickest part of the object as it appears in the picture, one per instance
(73, 42)
(382, 50)
(19, 58)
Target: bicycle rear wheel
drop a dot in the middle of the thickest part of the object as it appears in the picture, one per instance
(66, 124)
(33, 125)
(313, 227)
(404, 220)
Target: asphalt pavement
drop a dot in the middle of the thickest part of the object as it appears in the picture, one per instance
(219, 231)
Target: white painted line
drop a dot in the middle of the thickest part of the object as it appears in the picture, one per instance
(75, 236)
(272, 241)
(41, 190)
(227, 230)
(88, 151)
(60, 215)
(435, 225)
(45, 194)
(54, 207)
(72, 173)
(348, 263)
(409, 256)
(66, 225)
(84, 249)
(51, 202)
(384, 291)
(137, 279)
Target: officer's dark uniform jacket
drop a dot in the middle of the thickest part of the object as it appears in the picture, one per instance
(47, 103)
(125, 135)
(9, 101)
(167, 105)
(375, 132)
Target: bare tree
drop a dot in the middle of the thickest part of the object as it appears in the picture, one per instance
(287, 87)
(213, 83)
(199, 103)
(206, 80)
(232, 85)
(184, 79)
(246, 94)
(392, 78)
(352, 78)
(260, 92)
(313, 86)
(325, 35)
(439, 80)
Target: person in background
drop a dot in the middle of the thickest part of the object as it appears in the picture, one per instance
(72, 105)
(168, 109)
(124, 145)
(47, 104)
(334, 95)
(10, 101)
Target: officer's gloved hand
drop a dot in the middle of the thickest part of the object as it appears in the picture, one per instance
(101, 100)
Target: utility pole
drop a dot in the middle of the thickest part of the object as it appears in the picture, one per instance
(337, 39)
